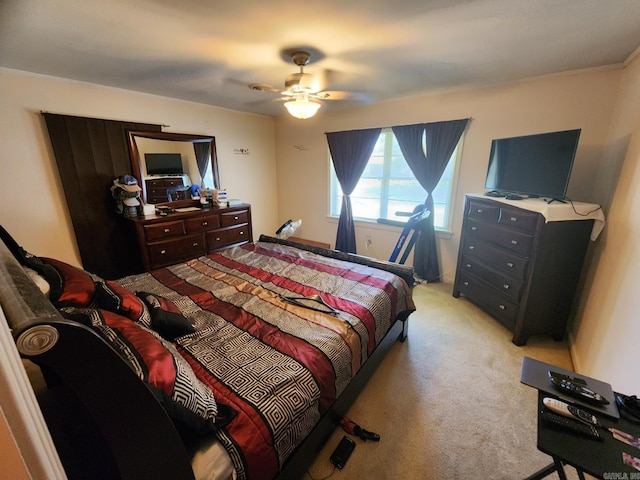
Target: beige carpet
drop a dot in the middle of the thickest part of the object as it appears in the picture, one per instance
(448, 403)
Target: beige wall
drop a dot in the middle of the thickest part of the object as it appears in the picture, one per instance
(606, 337)
(12, 463)
(559, 103)
(33, 207)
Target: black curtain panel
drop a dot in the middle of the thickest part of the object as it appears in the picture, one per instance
(203, 154)
(350, 152)
(90, 153)
(441, 141)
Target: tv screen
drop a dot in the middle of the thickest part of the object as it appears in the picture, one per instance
(163, 163)
(533, 165)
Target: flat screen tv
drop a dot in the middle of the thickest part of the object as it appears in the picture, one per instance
(532, 165)
(163, 163)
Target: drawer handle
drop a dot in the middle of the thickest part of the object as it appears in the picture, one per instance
(468, 265)
(506, 286)
(471, 247)
(162, 252)
(502, 307)
(514, 219)
(510, 264)
(167, 230)
(241, 233)
(195, 244)
(474, 229)
(236, 217)
(480, 210)
(514, 242)
(217, 239)
(466, 284)
(204, 224)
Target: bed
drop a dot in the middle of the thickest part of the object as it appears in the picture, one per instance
(238, 364)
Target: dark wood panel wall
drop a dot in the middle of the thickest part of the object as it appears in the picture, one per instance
(90, 153)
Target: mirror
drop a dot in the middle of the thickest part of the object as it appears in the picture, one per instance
(166, 165)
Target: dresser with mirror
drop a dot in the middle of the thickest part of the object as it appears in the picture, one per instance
(166, 165)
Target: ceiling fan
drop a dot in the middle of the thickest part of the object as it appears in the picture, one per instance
(303, 91)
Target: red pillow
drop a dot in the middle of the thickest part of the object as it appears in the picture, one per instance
(73, 286)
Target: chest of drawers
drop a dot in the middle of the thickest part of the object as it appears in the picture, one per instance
(178, 237)
(157, 188)
(519, 268)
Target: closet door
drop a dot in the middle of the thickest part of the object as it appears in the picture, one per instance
(90, 153)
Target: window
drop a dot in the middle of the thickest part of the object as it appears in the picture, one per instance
(388, 186)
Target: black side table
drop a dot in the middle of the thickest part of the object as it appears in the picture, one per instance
(600, 458)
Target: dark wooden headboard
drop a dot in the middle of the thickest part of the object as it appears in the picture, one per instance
(142, 438)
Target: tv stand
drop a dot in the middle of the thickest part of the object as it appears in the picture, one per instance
(560, 200)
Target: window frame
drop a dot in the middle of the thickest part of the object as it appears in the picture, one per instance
(445, 231)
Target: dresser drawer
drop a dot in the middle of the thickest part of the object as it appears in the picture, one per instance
(158, 192)
(513, 240)
(492, 302)
(168, 251)
(164, 182)
(202, 223)
(511, 217)
(164, 230)
(499, 258)
(229, 236)
(237, 217)
(482, 211)
(508, 286)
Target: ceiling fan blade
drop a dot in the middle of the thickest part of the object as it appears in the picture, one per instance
(339, 95)
(264, 87)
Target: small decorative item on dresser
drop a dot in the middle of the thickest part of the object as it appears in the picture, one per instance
(220, 198)
(206, 196)
(148, 210)
(163, 211)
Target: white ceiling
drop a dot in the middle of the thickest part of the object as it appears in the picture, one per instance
(209, 51)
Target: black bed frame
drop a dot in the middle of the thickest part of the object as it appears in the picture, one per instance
(142, 439)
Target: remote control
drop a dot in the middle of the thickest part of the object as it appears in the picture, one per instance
(570, 411)
(576, 387)
(577, 427)
(342, 452)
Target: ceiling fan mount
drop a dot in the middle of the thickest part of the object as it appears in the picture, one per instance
(304, 88)
(300, 58)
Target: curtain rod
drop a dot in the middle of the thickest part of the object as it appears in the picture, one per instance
(43, 112)
(405, 125)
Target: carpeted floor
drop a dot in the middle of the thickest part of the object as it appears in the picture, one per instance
(448, 403)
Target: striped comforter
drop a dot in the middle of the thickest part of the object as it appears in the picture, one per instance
(280, 365)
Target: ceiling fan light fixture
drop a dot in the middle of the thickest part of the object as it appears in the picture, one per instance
(302, 107)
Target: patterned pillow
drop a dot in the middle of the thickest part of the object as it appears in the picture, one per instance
(117, 299)
(166, 318)
(188, 401)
